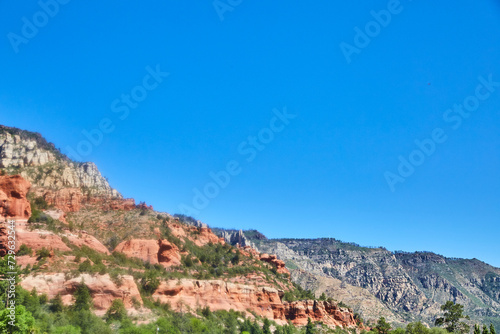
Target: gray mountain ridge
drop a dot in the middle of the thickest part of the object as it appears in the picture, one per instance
(401, 286)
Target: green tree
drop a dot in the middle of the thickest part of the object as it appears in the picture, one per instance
(23, 323)
(438, 330)
(310, 327)
(66, 330)
(89, 323)
(322, 297)
(24, 250)
(56, 304)
(417, 328)
(266, 327)
(453, 313)
(477, 330)
(236, 258)
(116, 311)
(7, 280)
(82, 298)
(382, 327)
(42, 253)
(485, 330)
(492, 329)
(150, 281)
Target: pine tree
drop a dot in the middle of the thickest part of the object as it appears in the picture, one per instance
(82, 298)
(383, 327)
(310, 327)
(485, 330)
(56, 304)
(477, 330)
(453, 313)
(266, 328)
(116, 311)
(417, 328)
(492, 329)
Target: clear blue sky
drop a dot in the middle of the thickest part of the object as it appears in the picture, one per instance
(324, 174)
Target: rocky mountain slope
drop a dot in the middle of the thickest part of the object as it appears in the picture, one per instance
(45, 167)
(401, 286)
(72, 227)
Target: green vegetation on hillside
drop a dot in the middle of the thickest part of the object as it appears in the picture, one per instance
(37, 314)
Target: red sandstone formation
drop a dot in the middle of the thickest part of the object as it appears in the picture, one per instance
(152, 251)
(122, 204)
(200, 236)
(13, 202)
(89, 241)
(206, 236)
(330, 314)
(37, 240)
(221, 295)
(264, 301)
(146, 250)
(273, 260)
(65, 199)
(144, 206)
(13, 205)
(248, 251)
(111, 204)
(168, 254)
(72, 200)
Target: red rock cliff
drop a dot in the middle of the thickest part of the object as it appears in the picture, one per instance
(262, 300)
(13, 204)
(13, 201)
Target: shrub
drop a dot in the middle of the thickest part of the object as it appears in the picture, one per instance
(24, 250)
(39, 203)
(116, 312)
(85, 267)
(42, 253)
(150, 282)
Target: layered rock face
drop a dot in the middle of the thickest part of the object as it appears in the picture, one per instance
(102, 289)
(221, 295)
(263, 301)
